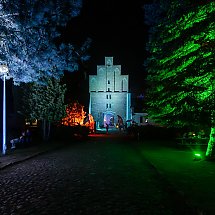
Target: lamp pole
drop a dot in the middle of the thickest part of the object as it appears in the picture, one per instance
(4, 71)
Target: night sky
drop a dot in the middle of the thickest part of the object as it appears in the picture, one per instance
(117, 29)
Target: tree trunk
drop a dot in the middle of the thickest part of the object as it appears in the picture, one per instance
(46, 127)
(211, 144)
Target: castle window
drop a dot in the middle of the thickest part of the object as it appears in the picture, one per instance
(106, 105)
(109, 96)
(109, 105)
(108, 81)
(108, 89)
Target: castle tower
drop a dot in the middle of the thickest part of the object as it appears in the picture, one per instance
(109, 95)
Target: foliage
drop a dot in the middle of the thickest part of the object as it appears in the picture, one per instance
(29, 30)
(10, 36)
(46, 101)
(181, 63)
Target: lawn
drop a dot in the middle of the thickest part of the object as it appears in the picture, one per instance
(195, 179)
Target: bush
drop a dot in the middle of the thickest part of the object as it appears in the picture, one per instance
(151, 132)
(68, 133)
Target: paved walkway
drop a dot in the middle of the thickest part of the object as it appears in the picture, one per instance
(18, 155)
(103, 175)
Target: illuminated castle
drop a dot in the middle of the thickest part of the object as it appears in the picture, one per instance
(109, 95)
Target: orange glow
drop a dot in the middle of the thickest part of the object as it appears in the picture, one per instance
(90, 123)
(77, 116)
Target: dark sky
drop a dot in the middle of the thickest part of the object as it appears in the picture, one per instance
(117, 29)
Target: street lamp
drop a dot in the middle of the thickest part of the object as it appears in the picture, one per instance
(4, 71)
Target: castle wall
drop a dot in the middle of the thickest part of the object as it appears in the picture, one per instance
(109, 93)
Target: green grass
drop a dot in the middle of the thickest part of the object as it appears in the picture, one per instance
(194, 178)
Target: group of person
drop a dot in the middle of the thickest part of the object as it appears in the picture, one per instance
(121, 127)
(24, 139)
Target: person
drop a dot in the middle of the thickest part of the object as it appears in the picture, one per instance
(13, 143)
(107, 127)
(23, 138)
(19, 141)
(28, 136)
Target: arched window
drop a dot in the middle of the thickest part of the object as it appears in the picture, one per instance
(93, 84)
(124, 84)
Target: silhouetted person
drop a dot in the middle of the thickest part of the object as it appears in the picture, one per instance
(28, 136)
(23, 138)
(107, 127)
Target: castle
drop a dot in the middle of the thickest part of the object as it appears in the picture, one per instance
(110, 99)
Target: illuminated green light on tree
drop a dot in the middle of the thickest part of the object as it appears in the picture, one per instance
(185, 64)
(211, 143)
(187, 21)
(181, 72)
(203, 96)
(200, 80)
(183, 51)
(207, 54)
(167, 74)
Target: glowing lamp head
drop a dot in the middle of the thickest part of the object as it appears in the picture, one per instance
(197, 156)
(3, 69)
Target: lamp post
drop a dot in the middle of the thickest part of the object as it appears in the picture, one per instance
(4, 71)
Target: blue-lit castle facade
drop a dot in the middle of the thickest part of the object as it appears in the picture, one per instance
(109, 95)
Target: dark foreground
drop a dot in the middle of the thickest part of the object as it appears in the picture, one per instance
(100, 176)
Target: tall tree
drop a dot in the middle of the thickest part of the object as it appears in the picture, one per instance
(181, 66)
(45, 102)
(31, 45)
(10, 35)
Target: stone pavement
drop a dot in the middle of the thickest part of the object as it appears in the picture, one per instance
(126, 183)
(101, 176)
(18, 155)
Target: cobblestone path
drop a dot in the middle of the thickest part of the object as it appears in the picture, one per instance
(96, 177)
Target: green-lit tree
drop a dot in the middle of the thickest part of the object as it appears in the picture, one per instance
(45, 102)
(181, 66)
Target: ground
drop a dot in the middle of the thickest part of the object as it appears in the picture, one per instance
(193, 179)
(110, 174)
